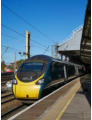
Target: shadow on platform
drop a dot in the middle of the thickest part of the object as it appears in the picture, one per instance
(86, 88)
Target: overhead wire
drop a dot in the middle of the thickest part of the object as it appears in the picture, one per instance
(24, 20)
(18, 41)
(4, 52)
(46, 50)
(11, 29)
(20, 17)
(9, 47)
(6, 49)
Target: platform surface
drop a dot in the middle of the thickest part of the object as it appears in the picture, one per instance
(80, 107)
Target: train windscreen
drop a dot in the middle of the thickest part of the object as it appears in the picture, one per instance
(32, 66)
(30, 71)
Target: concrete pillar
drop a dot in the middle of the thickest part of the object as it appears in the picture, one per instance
(27, 44)
(52, 50)
(56, 51)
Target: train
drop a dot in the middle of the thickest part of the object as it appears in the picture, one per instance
(40, 72)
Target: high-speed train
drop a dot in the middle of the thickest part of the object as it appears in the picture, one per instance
(39, 72)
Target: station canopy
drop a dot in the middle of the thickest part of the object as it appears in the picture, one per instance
(79, 44)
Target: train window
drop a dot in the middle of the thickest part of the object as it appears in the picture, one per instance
(57, 71)
(30, 71)
(32, 66)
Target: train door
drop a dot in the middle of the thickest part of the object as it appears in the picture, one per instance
(70, 71)
(54, 71)
(57, 71)
(81, 70)
(61, 71)
(77, 71)
(65, 73)
(48, 75)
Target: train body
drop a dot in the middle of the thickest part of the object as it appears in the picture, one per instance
(40, 72)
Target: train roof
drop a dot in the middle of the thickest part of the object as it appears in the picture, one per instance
(44, 58)
(48, 59)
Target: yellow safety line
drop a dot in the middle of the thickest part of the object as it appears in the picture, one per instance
(62, 112)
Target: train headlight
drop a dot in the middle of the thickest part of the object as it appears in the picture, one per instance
(14, 81)
(39, 82)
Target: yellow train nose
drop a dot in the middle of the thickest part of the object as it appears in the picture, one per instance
(27, 92)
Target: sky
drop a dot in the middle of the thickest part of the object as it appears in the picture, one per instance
(48, 21)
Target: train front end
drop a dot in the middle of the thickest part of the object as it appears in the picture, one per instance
(29, 80)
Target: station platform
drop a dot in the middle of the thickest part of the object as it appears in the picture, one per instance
(70, 102)
(79, 108)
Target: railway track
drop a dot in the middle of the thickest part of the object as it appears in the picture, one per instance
(6, 95)
(6, 101)
(5, 77)
(10, 107)
(7, 98)
(4, 115)
(13, 107)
